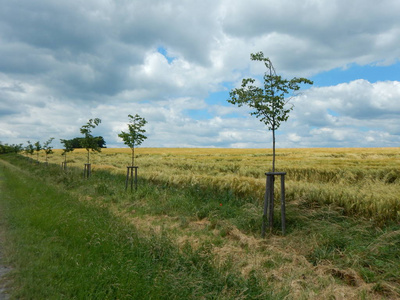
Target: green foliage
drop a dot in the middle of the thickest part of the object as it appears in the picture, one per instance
(77, 142)
(68, 146)
(10, 148)
(29, 149)
(89, 142)
(47, 148)
(268, 102)
(38, 148)
(134, 137)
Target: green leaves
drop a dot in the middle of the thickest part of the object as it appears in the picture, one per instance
(135, 135)
(46, 146)
(89, 142)
(268, 102)
(29, 149)
(38, 147)
(68, 146)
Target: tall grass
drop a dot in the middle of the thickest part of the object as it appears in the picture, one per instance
(363, 181)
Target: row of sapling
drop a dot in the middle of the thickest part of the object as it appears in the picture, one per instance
(31, 148)
(10, 148)
(268, 103)
(133, 138)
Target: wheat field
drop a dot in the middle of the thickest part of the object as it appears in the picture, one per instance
(363, 181)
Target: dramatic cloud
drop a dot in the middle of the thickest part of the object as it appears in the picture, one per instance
(174, 63)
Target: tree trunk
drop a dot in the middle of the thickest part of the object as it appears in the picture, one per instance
(273, 122)
(133, 156)
(273, 150)
(88, 157)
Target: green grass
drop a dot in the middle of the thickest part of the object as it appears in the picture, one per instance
(62, 247)
(325, 247)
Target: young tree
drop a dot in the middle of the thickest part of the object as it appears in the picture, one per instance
(29, 149)
(89, 142)
(12, 148)
(134, 136)
(3, 148)
(68, 147)
(47, 148)
(38, 147)
(268, 102)
(17, 148)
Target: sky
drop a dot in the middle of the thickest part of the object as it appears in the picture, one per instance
(174, 62)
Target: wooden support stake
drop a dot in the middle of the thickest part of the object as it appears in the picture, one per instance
(266, 205)
(268, 215)
(129, 174)
(283, 205)
(87, 172)
(271, 203)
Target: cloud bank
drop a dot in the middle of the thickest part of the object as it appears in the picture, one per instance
(174, 63)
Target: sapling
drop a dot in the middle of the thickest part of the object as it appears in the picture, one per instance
(134, 136)
(37, 148)
(89, 142)
(47, 148)
(268, 102)
(68, 147)
(29, 149)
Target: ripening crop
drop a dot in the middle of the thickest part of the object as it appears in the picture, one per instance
(363, 181)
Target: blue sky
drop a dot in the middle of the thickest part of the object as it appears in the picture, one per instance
(175, 62)
(354, 72)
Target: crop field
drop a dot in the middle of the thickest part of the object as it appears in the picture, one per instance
(192, 228)
(360, 180)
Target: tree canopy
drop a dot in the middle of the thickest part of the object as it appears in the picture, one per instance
(89, 142)
(77, 142)
(268, 102)
(135, 135)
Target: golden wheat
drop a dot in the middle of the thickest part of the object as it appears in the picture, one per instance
(363, 181)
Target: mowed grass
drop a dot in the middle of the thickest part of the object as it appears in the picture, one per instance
(329, 250)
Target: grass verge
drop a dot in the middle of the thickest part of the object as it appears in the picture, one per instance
(64, 248)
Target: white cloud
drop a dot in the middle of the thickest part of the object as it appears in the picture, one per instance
(65, 62)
